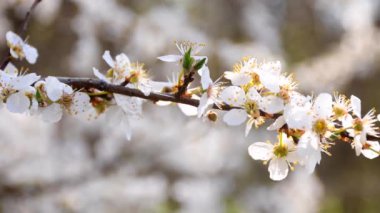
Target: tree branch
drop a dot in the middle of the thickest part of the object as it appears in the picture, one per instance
(21, 32)
(87, 83)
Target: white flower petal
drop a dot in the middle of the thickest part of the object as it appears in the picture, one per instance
(277, 124)
(356, 106)
(130, 105)
(298, 117)
(323, 105)
(14, 54)
(99, 75)
(374, 150)
(188, 110)
(269, 80)
(313, 159)
(235, 117)
(80, 103)
(248, 126)
(18, 103)
(31, 53)
(67, 89)
(122, 60)
(358, 145)
(115, 114)
(108, 58)
(145, 87)
(237, 79)
(52, 113)
(205, 78)
(204, 103)
(24, 81)
(13, 38)
(278, 169)
(11, 70)
(347, 121)
(261, 151)
(170, 58)
(271, 104)
(309, 155)
(293, 157)
(253, 95)
(233, 95)
(6, 79)
(54, 88)
(33, 110)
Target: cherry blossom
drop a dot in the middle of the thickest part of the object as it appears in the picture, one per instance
(20, 49)
(126, 111)
(210, 96)
(242, 72)
(184, 47)
(58, 97)
(312, 142)
(16, 90)
(280, 155)
(359, 127)
(124, 72)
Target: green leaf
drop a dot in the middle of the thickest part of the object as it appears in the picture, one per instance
(187, 60)
(200, 64)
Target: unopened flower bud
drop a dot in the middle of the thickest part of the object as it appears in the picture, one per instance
(212, 116)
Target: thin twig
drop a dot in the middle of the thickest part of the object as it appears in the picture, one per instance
(189, 77)
(22, 31)
(87, 83)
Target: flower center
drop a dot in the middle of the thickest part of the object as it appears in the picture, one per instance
(18, 50)
(284, 94)
(5, 93)
(358, 125)
(67, 100)
(320, 126)
(280, 150)
(251, 108)
(255, 79)
(339, 111)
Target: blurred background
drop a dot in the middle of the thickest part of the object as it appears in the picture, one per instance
(175, 163)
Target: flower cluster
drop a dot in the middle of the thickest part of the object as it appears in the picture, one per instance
(27, 93)
(252, 93)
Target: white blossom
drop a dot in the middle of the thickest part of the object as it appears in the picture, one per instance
(63, 98)
(126, 111)
(311, 142)
(210, 96)
(183, 47)
(20, 49)
(280, 156)
(359, 127)
(16, 90)
(123, 71)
